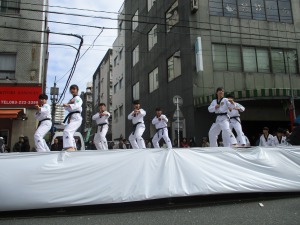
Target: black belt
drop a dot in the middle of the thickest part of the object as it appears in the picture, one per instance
(236, 118)
(69, 115)
(101, 125)
(42, 121)
(134, 127)
(221, 114)
(157, 131)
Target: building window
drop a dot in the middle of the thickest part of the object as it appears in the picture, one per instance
(271, 10)
(120, 54)
(256, 60)
(153, 80)
(10, 6)
(172, 16)
(7, 66)
(174, 66)
(120, 26)
(227, 57)
(121, 83)
(284, 61)
(150, 4)
(115, 61)
(135, 20)
(121, 110)
(116, 115)
(115, 88)
(135, 55)
(136, 91)
(152, 37)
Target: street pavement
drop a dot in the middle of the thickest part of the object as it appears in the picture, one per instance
(254, 210)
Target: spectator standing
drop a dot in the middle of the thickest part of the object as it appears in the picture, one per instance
(18, 145)
(25, 146)
(184, 143)
(55, 146)
(266, 139)
(2, 146)
(205, 142)
(192, 143)
(294, 138)
(279, 139)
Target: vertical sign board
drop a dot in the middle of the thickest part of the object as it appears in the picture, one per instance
(199, 54)
(19, 96)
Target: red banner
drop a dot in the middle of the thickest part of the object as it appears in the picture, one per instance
(19, 96)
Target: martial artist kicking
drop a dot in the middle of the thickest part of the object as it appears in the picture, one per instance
(43, 115)
(137, 117)
(160, 122)
(220, 106)
(101, 119)
(235, 121)
(266, 139)
(74, 119)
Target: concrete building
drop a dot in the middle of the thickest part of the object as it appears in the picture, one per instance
(102, 83)
(118, 79)
(87, 111)
(191, 47)
(23, 65)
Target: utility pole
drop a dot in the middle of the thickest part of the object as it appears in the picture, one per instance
(292, 98)
(54, 92)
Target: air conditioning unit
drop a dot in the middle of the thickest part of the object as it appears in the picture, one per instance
(194, 5)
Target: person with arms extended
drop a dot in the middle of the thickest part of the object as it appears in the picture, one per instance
(220, 106)
(160, 123)
(43, 115)
(73, 119)
(101, 119)
(137, 118)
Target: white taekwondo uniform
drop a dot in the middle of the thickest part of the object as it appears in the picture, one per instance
(100, 137)
(135, 138)
(44, 118)
(235, 123)
(266, 141)
(279, 142)
(74, 121)
(221, 124)
(161, 131)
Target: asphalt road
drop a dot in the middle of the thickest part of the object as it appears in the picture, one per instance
(273, 210)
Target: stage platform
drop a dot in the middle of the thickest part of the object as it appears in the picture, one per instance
(64, 179)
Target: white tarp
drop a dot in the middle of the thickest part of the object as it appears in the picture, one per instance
(61, 179)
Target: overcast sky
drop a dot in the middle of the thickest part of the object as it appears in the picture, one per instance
(61, 58)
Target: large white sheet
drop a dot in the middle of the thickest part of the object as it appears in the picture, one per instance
(61, 179)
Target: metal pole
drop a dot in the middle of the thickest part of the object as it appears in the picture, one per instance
(178, 123)
(291, 89)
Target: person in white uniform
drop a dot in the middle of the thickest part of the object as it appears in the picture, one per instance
(279, 139)
(220, 106)
(137, 118)
(101, 119)
(160, 123)
(266, 139)
(235, 121)
(73, 119)
(43, 115)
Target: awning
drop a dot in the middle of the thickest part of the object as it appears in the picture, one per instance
(255, 94)
(9, 113)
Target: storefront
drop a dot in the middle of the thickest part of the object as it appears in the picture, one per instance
(17, 112)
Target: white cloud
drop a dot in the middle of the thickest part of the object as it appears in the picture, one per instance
(62, 58)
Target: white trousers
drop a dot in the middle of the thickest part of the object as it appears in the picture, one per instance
(100, 138)
(234, 124)
(216, 128)
(42, 130)
(163, 133)
(136, 139)
(68, 134)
